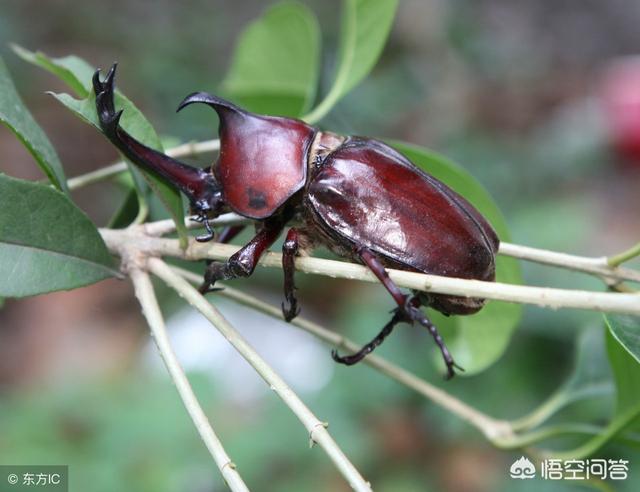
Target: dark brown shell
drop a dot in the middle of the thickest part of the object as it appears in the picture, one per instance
(373, 196)
(263, 159)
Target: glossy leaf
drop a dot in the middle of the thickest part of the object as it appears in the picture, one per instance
(77, 73)
(274, 69)
(365, 27)
(72, 70)
(623, 347)
(476, 341)
(46, 242)
(590, 378)
(623, 358)
(17, 117)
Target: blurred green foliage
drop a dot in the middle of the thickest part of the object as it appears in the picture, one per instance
(542, 164)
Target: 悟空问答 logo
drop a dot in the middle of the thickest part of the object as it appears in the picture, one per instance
(522, 468)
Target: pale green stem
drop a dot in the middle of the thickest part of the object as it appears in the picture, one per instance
(102, 174)
(624, 256)
(555, 403)
(488, 426)
(544, 433)
(149, 302)
(317, 429)
(592, 445)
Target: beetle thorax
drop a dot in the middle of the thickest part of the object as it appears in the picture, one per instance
(323, 144)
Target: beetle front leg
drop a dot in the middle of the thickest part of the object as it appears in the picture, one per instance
(289, 252)
(242, 263)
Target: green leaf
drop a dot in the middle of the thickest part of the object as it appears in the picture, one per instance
(365, 27)
(17, 117)
(46, 242)
(623, 347)
(72, 70)
(77, 73)
(127, 212)
(623, 350)
(590, 378)
(476, 341)
(275, 65)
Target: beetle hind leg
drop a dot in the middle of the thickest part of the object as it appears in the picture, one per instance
(349, 360)
(408, 310)
(413, 313)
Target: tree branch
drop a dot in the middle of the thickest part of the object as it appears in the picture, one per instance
(599, 266)
(541, 296)
(316, 428)
(147, 298)
(490, 427)
(595, 266)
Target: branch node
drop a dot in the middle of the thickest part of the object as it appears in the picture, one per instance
(312, 440)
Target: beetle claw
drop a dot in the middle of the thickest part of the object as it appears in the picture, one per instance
(412, 313)
(290, 312)
(104, 90)
(204, 238)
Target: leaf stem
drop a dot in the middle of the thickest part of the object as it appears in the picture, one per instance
(556, 402)
(346, 61)
(316, 428)
(627, 255)
(598, 266)
(596, 442)
(147, 298)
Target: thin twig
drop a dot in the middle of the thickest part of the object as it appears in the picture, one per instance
(184, 150)
(316, 428)
(147, 298)
(627, 255)
(541, 296)
(490, 427)
(167, 226)
(598, 266)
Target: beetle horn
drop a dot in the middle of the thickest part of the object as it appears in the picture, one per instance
(215, 102)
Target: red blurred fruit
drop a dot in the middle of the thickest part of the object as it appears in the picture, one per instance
(621, 101)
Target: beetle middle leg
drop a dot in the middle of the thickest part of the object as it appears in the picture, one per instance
(243, 262)
(289, 251)
(408, 310)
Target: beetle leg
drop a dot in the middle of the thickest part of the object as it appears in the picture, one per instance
(227, 234)
(242, 263)
(289, 252)
(408, 310)
(368, 348)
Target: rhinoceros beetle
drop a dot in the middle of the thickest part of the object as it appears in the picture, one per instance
(357, 196)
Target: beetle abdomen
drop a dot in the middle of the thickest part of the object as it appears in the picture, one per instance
(374, 197)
